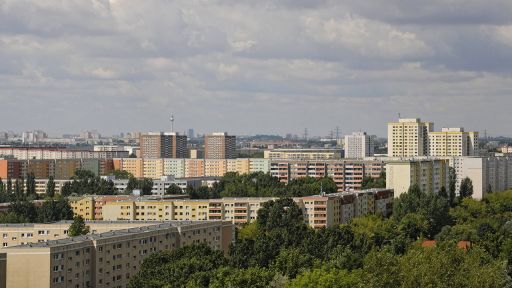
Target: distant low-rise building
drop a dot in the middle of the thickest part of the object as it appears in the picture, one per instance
(303, 154)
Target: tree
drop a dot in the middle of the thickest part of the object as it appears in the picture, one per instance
(173, 189)
(9, 186)
(291, 261)
(31, 185)
(24, 209)
(327, 278)
(122, 174)
(55, 210)
(2, 185)
(189, 266)
(443, 193)
(282, 213)
(431, 206)
(50, 187)
(146, 186)
(78, 227)
(466, 188)
(452, 183)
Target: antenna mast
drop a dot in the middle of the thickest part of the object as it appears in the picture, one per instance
(172, 122)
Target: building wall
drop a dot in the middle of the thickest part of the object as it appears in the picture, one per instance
(3, 270)
(219, 146)
(494, 173)
(430, 175)
(109, 259)
(358, 145)
(408, 138)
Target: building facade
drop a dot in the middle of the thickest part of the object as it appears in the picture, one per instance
(358, 145)
(430, 175)
(219, 146)
(408, 138)
(163, 145)
(487, 174)
(453, 142)
(303, 154)
(104, 259)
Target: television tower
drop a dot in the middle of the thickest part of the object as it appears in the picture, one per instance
(172, 122)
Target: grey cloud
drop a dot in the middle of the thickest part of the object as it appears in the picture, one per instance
(244, 66)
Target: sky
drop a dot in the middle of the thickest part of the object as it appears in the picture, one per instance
(254, 67)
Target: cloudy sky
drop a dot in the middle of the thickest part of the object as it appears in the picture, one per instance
(248, 66)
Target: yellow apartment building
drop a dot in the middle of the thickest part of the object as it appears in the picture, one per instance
(408, 137)
(453, 142)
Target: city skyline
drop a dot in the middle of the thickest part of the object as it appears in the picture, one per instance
(246, 68)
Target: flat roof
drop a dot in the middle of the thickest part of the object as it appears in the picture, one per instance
(115, 233)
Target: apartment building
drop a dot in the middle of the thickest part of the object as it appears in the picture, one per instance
(453, 142)
(347, 174)
(163, 145)
(61, 169)
(219, 146)
(107, 259)
(487, 174)
(174, 167)
(358, 145)
(408, 137)
(35, 153)
(429, 174)
(303, 154)
(336, 208)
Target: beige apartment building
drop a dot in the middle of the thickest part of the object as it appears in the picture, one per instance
(107, 259)
(163, 145)
(302, 154)
(453, 142)
(219, 146)
(408, 137)
(240, 210)
(430, 174)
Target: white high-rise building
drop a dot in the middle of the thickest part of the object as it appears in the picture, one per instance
(487, 174)
(408, 137)
(358, 145)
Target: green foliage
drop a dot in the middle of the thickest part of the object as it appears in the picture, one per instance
(327, 278)
(431, 206)
(451, 267)
(262, 185)
(370, 182)
(290, 262)
(26, 212)
(452, 185)
(466, 188)
(85, 182)
(251, 277)
(192, 264)
(173, 189)
(55, 210)
(145, 185)
(78, 227)
(121, 174)
(50, 187)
